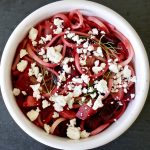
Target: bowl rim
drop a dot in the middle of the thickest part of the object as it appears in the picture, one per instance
(58, 142)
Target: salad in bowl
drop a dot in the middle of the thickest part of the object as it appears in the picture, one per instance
(77, 76)
(73, 75)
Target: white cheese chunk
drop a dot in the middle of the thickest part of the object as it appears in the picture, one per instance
(55, 115)
(126, 72)
(70, 103)
(36, 92)
(73, 133)
(89, 103)
(98, 103)
(62, 76)
(96, 63)
(101, 86)
(103, 32)
(16, 91)
(132, 96)
(86, 44)
(42, 52)
(39, 77)
(53, 56)
(114, 68)
(70, 35)
(45, 104)
(133, 79)
(90, 48)
(23, 53)
(59, 102)
(85, 78)
(67, 69)
(21, 66)
(34, 70)
(93, 95)
(24, 93)
(58, 30)
(77, 91)
(58, 107)
(77, 80)
(90, 89)
(33, 34)
(98, 52)
(32, 115)
(84, 90)
(34, 43)
(84, 134)
(58, 48)
(47, 128)
(58, 22)
(94, 31)
(79, 50)
(72, 122)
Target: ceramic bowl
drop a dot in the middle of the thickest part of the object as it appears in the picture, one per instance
(140, 61)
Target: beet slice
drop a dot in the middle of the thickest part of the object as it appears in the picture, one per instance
(68, 114)
(31, 102)
(85, 112)
(61, 129)
(46, 114)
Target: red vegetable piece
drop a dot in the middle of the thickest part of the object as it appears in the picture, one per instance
(118, 95)
(23, 81)
(99, 129)
(39, 122)
(46, 114)
(84, 112)
(68, 114)
(31, 102)
(123, 53)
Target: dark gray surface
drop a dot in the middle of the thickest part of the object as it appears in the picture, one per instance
(137, 12)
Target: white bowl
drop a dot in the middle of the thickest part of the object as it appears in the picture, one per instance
(141, 67)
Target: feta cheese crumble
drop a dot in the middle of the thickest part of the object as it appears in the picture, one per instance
(47, 128)
(98, 52)
(73, 133)
(32, 115)
(21, 66)
(98, 103)
(58, 23)
(132, 96)
(45, 39)
(114, 68)
(24, 92)
(89, 103)
(33, 34)
(84, 134)
(23, 53)
(59, 102)
(36, 92)
(53, 55)
(77, 90)
(96, 69)
(55, 115)
(16, 91)
(101, 86)
(94, 31)
(85, 78)
(66, 68)
(45, 104)
(58, 48)
(126, 72)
